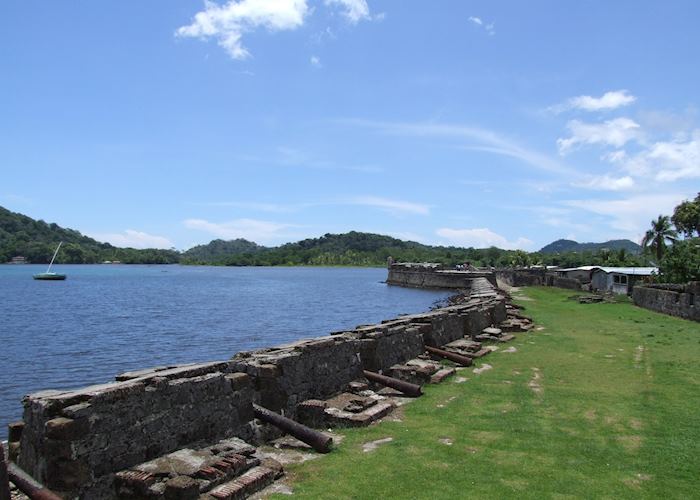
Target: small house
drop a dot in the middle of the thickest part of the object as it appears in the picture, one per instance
(619, 279)
(581, 273)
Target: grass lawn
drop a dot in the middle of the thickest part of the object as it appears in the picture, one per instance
(604, 402)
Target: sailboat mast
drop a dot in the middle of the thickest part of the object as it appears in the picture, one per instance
(54, 256)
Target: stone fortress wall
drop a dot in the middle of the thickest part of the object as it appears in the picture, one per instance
(676, 300)
(77, 441)
(422, 275)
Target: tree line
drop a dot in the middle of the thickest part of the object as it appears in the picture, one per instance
(674, 241)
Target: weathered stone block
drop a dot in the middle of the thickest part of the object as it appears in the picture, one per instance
(67, 429)
(182, 488)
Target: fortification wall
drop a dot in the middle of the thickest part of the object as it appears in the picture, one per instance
(522, 277)
(559, 282)
(75, 441)
(676, 300)
(433, 276)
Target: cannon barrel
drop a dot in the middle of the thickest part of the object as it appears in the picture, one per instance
(406, 387)
(317, 440)
(28, 485)
(4, 480)
(452, 356)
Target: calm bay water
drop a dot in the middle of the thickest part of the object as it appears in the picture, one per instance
(106, 319)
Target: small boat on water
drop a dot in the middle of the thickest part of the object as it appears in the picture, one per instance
(48, 275)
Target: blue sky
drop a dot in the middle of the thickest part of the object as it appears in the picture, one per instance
(174, 122)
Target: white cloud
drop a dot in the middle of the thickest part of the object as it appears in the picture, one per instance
(607, 183)
(489, 27)
(353, 10)
(615, 133)
(228, 22)
(392, 206)
(315, 62)
(670, 161)
(481, 238)
(258, 231)
(133, 239)
(610, 100)
(631, 215)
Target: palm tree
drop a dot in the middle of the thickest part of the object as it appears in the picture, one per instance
(656, 237)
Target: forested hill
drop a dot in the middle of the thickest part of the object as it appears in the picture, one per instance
(36, 240)
(563, 246)
(217, 250)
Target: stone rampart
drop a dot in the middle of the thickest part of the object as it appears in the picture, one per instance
(433, 276)
(676, 300)
(560, 282)
(75, 441)
(522, 277)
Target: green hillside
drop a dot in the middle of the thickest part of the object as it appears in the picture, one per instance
(36, 240)
(562, 246)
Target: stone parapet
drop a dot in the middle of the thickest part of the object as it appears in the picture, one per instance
(676, 300)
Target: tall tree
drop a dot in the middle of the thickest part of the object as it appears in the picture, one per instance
(661, 231)
(686, 217)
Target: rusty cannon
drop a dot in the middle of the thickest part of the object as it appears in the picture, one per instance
(407, 388)
(28, 485)
(452, 356)
(317, 440)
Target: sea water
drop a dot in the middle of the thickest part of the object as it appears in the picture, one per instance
(107, 319)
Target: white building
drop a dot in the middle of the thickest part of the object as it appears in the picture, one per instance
(619, 279)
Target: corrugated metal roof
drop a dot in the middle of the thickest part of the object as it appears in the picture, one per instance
(637, 271)
(580, 268)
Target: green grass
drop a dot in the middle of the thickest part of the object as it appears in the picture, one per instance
(615, 413)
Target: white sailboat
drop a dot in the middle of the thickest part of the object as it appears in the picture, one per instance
(48, 275)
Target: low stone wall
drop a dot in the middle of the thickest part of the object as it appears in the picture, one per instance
(433, 276)
(75, 441)
(676, 300)
(522, 277)
(559, 282)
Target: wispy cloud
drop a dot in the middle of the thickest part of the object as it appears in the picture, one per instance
(393, 206)
(228, 23)
(631, 214)
(353, 10)
(133, 239)
(490, 28)
(479, 139)
(615, 133)
(666, 161)
(481, 238)
(315, 62)
(259, 231)
(610, 100)
(389, 205)
(607, 183)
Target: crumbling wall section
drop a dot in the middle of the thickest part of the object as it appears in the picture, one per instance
(286, 375)
(74, 441)
(522, 277)
(568, 283)
(676, 300)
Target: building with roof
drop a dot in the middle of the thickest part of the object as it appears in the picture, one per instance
(619, 279)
